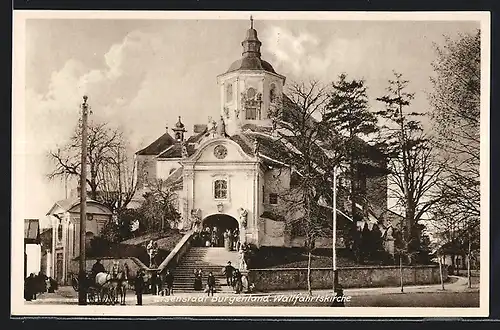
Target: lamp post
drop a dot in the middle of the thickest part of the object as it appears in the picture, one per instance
(82, 289)
(334, 230)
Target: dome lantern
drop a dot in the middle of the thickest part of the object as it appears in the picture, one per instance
(179, 130)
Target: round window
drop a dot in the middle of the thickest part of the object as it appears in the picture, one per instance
(251, 93)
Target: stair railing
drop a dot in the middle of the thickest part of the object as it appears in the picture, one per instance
(177, 253)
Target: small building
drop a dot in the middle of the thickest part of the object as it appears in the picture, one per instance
(65, 221)
(32, 248)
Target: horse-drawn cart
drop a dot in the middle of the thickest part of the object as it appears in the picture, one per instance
(100, 294)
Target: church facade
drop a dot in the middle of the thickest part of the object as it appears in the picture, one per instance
(227, 172)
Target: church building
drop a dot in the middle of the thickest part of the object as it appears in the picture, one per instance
(227, 173)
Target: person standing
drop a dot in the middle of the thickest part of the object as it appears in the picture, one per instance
(211, 283)
(228, 271)
(139, 286)
(198, 280)
(227, 241)
(169, 282)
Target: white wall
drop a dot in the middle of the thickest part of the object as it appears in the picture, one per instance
(163, 167)
(34, 254)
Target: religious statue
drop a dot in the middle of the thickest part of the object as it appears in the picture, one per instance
(237, 113)
(212, 127)
(243, 216)
(221, 128)
(226, 112)
(243, 263)
(256, 147)
(196, 220)
(152, 250)
(184, 151)
(145, 177)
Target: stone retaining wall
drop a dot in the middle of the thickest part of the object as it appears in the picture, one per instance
(350, 277)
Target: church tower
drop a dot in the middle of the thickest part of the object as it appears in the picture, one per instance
(249, 87)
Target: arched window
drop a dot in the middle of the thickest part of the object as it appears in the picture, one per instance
(272, 93)
(60, 232)
(229, 92)
(220, 189)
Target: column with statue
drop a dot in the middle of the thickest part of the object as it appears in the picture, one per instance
(152, 249)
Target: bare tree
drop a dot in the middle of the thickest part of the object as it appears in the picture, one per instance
(111, 174)
(415, 171)
(300, 134)
(456, 116)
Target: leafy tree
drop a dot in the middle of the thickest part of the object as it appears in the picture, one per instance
(415, 171)
(158, 209)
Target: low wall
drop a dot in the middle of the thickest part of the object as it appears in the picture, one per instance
(350, 277)
(177, 253)
(133, 264)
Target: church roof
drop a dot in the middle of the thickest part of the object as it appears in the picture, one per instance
(175, 151)
(251, 63)
(162, 143)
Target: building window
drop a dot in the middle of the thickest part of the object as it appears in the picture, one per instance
(229, 92)
(263, 195)
(220, 189)
(272, 93)
(60, 232)
(251, 113)
(273, 198)
(251, 92)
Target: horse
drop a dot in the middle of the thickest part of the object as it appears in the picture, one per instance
(115, 288)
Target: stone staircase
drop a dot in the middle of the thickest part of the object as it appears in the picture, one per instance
(208, 259)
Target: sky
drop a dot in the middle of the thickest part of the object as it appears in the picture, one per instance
(140, 75)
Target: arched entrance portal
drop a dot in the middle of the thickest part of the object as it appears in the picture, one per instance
(215, 225)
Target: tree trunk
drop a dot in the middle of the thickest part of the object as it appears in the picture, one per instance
(309, 273)
(469, 275)
(441, 272)
(401, 272)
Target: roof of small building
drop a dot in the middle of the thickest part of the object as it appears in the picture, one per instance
(158, 146)
(31, 229)
(66, 205)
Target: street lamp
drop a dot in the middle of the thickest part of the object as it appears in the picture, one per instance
(82, 290)
(334, 230)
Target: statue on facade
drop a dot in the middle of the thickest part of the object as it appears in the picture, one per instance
(184, 151)
(243, 216)
(152, 250)
(212, 127)
(256, 147)
(196, 220)
(243, 263)
(145, 177)
(221, 128)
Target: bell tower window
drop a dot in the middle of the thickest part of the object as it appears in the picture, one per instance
(229, 93)
(251, 113)
(272, 93)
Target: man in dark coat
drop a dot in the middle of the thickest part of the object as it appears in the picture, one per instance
(210, 283)
(228, 271)
(96, 269)
(139, 286)
(339, 297)
(169, 283)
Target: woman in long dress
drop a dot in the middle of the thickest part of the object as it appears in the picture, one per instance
(198, 280)
(227, 240)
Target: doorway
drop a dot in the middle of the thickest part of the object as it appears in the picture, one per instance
(214, 228)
